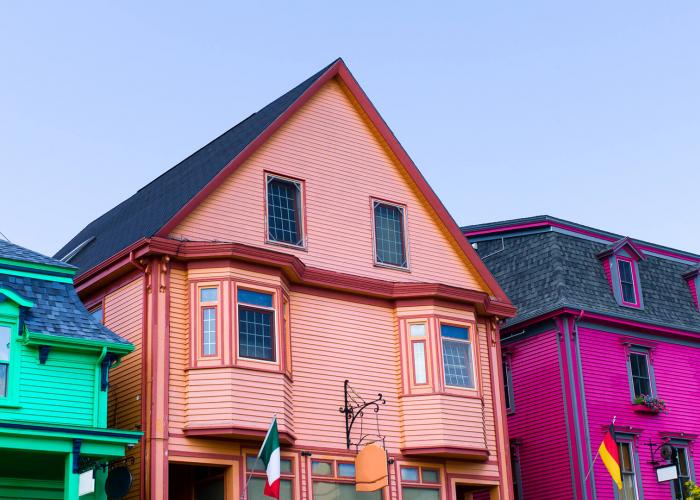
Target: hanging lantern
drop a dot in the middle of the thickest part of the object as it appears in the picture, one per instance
(371, 472)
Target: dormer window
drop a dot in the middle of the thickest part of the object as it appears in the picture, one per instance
(628, 284)
(621, 266)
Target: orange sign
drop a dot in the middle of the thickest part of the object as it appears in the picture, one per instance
(371, 471)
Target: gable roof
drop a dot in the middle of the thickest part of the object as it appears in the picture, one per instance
(618, 245)
(157, 208)
(546, 269)
(146, 212)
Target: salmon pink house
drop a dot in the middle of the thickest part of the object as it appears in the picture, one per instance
(608, 327)
(300, 249)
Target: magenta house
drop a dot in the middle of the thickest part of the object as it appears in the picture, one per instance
(607, 327)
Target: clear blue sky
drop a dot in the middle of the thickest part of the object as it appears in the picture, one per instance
(587, 111)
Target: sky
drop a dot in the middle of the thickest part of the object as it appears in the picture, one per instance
(587, 111)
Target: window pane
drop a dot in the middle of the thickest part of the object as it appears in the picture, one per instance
(419, 362)
(97, 313)
(342, 491)
(321, 468)
(209, 331)
(420, 493)
(388, 235)
(3, 380)
(4, 343)
(250, 464)
(418, 330)
(346, 470)
(254, 298)
(456, 358)
(285, 466)
(454, 332)
(208, 294)
(625, 271)
(256, 487)
(506, 384)
(625, 457)
(409, 474)
(283, 211)
(431, 476)
(255, 334)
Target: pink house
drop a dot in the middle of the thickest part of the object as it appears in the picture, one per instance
(607, 327)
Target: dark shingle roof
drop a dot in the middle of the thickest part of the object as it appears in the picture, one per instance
(57, 310)
(15, 252)
(544, 271)
(144, 213)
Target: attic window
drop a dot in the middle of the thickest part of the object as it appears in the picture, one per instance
(284, 211)
(628, 284)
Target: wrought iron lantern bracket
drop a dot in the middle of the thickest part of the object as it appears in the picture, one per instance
(355, 406)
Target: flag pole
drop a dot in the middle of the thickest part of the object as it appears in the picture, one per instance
(597, 453)
(244, 492)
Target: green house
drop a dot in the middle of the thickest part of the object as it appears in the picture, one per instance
(54, 380)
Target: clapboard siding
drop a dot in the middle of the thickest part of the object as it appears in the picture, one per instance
(123, 314)
(179, 349)
(538, 421)
(676, 370)
(62, 391)
(333, 340)
(329, 145)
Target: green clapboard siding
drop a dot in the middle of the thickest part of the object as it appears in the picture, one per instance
(18, 489)
(62, 391)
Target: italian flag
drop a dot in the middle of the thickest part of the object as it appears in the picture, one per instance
(270, 455)
(609, 455)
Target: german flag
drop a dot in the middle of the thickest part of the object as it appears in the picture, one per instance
(608, 452)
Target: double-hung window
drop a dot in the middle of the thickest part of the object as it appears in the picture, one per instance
(683, 473)
(256, 325)
(208, 299)
(5, 343)
(640, 373)
(628, 471)
(418, 339)
(457, 357)
(389, 235)
(284, 211)
(628, 288)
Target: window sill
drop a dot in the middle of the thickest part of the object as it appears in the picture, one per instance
(390, 266)
(272, 369)
(291, 246)
(471, 394)
(10, 404)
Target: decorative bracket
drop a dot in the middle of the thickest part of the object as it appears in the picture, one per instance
(43, 353)
(355, 406)
(107, 363)
(76, 455)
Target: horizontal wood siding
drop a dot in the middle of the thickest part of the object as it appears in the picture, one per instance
(179, 349)
(123, 313)
(538, 421)
(62, 391)
(331, 146)
(334, 340)
(608, 394)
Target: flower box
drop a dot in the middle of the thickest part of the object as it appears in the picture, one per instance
(642, 408)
